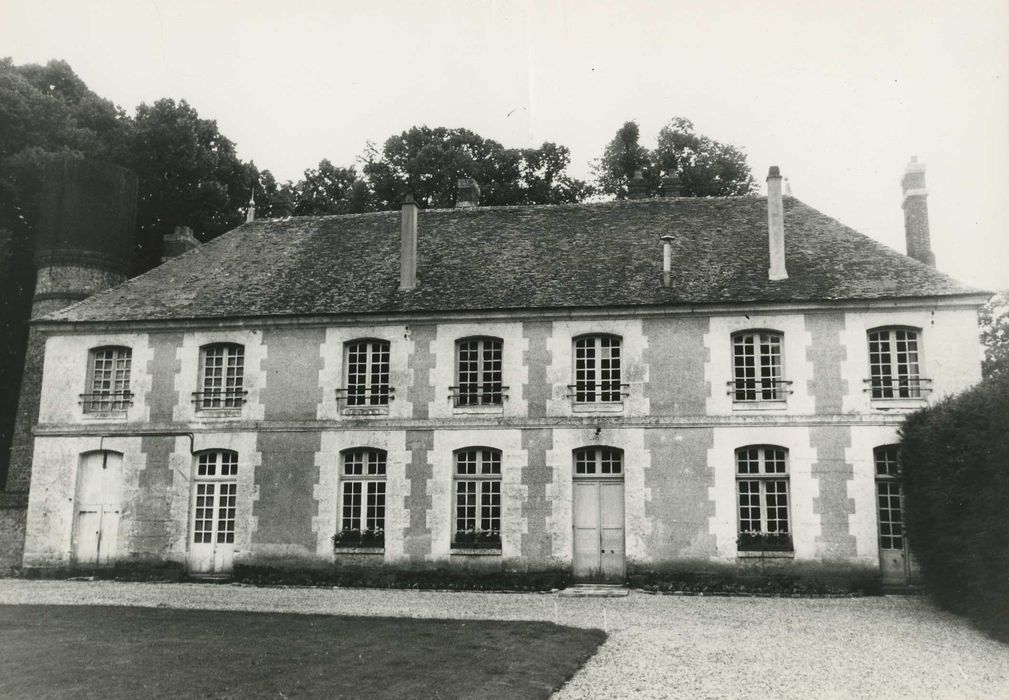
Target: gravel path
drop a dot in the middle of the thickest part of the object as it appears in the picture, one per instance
(659, 646)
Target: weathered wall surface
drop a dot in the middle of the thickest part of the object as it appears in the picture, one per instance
(13, 514)
(678, 428)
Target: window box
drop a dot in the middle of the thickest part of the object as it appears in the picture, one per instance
(359, 539)
(764, 542)
(477, 539)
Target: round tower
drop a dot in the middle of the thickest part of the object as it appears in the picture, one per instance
(84, 238)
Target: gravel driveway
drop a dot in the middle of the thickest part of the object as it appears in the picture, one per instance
(659, 646)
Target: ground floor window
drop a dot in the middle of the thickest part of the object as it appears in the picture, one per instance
(890, 498)
(362, 499)
(477, 499)
(762, 489)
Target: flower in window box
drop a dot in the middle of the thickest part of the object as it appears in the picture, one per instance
(359, 538)
(477, 539)
(764, 541)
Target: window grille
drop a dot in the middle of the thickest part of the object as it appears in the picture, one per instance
(757, 367)
(108, 381)
(894, 364)
(362, 499)
(478, 373)
(597, 370)
(477, 499)
(222, 369)
(762, 488)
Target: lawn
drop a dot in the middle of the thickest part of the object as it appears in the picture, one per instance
(57, 651)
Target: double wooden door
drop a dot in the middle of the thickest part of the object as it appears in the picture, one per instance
(97, 508)
(599, 529)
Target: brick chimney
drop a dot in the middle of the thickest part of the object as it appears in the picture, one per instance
(408, 244)
(178, 242)
(775, 226)
(915, 207)
(467, 193)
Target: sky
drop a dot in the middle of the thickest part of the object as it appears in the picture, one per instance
(839, 94)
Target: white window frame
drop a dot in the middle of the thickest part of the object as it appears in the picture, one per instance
(895, 361)
(761, 380)
(216, 469)
(108, 385)
(363, 473)
(366, 388)
(488, 369)
(222, 389)
(593, 358)
(765, 476)
(476, 473)
(886, 461)
(598, 461)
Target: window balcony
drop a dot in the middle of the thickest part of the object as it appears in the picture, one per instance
(371, 400)
(220, 400)
(107, 402)
(889, 393)
(759, 393)
(598, 397)
(478, 398)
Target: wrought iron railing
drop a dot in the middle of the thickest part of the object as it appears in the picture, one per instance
(746, 390)
(219, 398)
(598, 392)
(478, 395)
(889, 387)
(365, 396)
(106, 401)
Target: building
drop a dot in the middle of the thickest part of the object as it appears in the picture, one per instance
(598, 388)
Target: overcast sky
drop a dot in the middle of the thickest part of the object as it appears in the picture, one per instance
(839, 94)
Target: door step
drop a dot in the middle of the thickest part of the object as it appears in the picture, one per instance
(209, 577)
(594, 590)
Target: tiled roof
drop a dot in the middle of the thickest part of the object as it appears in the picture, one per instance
(532, 257)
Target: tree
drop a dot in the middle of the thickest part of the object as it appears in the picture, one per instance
(427, 163)
(705, 167)
(994, 321)
(189, 176)
(329, 189)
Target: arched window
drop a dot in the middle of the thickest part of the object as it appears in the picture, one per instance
(599, 461)
(108, 382)
(367, 374)
(757, 366)
(597, 369)
(362, 498)
(477, 523)
(222, 376)
(478, 372)
(762, 488)
(215, 495)
(894, 371)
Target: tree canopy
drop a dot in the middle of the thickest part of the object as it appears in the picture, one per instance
(994, 320)
(705, 167)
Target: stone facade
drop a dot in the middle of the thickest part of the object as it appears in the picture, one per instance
(678, 429)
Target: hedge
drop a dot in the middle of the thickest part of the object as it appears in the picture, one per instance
(955, 462)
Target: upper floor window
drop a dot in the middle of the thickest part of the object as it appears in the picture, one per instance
(762, 488)
(599, 461)
(756, 367)
(367, 376)
(222, 370)
(478, 372)
(108, 382)
(362, 498)
(477, 499)
(894, 371)
(598, 370)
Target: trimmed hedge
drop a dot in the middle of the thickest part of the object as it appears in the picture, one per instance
(955, 461)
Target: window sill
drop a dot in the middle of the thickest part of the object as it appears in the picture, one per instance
(365, 410)
(104, 415)
(218, 413)
(359, 550)
(765, 554)
(615, 407)
(897, 404)
(488, 408)
(759, 405)
(475, 552)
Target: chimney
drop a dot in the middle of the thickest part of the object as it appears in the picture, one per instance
(672, 186)
(637, 189)
(178, 242)
(408, 244)
(915, 207)
(250, 213)
(467, 193)
(667, 259)
(775, 226)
